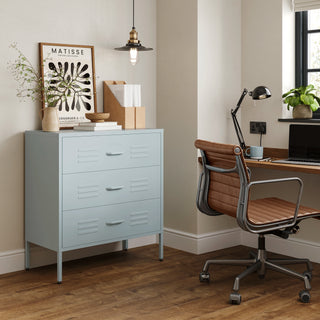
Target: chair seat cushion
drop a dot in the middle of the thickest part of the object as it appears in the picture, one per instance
(269, 210)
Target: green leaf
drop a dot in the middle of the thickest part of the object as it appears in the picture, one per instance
(302, 90)
(287, 93)
(317, 98)
(310, 87)
(292, 101)
(314, 106)
(307, 99)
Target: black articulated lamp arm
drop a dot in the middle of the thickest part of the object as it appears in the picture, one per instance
(258, 93)
(235, 121)
(244, 93)
(238, 132)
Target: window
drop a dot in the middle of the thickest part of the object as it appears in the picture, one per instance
(308, 50)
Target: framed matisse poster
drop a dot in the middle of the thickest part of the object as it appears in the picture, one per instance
(68, 75)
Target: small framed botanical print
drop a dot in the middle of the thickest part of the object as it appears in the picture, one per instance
(68, 75)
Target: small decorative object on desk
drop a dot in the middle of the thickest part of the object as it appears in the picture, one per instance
(97, 123)
(254, 152)
(302, 100)
(50, 120)
(97, 116)
(98, 128)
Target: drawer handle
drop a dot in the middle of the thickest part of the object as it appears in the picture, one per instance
(114, 188)
(114, 223)
(114, 153)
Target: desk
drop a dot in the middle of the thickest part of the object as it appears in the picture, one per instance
(274, 154)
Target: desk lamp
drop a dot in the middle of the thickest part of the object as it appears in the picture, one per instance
(258, 93)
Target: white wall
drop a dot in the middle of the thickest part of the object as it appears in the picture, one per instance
(262, 65)
(219, 81)
(288, 52)
(198, 82)
(105, 24)
(268, 58)
(219, 67)
(177, 109)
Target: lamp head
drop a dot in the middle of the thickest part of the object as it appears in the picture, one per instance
(260, 93)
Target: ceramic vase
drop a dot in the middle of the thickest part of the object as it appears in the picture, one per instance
(302, 111)
(50, 120)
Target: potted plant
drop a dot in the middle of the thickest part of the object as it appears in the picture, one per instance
(51, 89)
(302, 100)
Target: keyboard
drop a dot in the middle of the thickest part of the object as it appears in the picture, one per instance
(300, 161)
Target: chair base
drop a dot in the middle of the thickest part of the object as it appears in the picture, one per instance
(259, 263)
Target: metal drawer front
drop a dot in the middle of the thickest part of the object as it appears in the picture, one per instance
(114, 222)
(110, 152)
(92, 189)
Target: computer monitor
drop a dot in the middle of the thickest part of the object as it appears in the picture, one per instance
(304, 142)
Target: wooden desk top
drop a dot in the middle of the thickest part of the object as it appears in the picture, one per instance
(274, 154)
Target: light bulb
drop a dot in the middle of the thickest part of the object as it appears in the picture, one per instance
(133, 55)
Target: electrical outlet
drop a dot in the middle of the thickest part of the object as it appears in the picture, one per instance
(258, 127)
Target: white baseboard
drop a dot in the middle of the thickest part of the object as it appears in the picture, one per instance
(292, 247)
(202, 243)
(11, 261)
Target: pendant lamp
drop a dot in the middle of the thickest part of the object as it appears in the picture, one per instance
(133, 45)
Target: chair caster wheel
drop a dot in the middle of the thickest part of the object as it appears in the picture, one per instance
(204, 276)
(304, 296)
(235, 298)
(308, 274)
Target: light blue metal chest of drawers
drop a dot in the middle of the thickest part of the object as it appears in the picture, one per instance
(89, 188)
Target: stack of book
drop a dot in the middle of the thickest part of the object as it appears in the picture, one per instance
(97, 126)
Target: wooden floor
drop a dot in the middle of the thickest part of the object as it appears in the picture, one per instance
(135, 285)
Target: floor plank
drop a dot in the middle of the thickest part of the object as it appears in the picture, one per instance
(135, 285)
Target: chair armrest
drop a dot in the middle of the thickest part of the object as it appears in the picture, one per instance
(276, 225)
(275, 180)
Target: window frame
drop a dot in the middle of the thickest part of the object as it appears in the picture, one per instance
(301, 51)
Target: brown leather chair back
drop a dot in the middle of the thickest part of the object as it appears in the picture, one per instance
(224, 188)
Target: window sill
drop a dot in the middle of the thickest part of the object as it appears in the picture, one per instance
(299, 120)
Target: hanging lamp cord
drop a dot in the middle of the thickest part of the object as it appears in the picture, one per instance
(133, 13)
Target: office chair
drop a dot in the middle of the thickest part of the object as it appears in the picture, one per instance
(224, 188)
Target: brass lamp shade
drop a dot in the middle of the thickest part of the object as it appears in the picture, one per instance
(133, 42)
